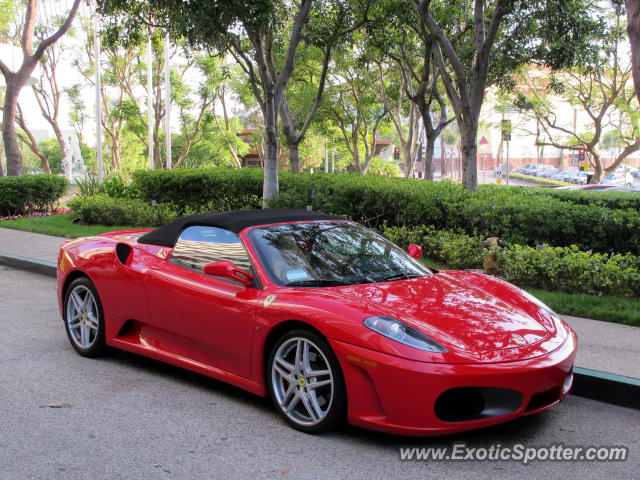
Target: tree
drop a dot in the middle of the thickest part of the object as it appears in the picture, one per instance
(77, 110)
(480, 43)
(354, 105)
(600, 92)
(398, 34)
(399, 107)
(48, 92)
(15, 80)
(633, 30)
(331, 25)
(248, 30)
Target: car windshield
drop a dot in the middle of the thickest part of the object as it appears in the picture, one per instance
(320, 254)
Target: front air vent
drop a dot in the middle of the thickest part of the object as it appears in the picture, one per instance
(474, 403)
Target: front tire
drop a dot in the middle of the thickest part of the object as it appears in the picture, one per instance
(306, 383)
(84, 318)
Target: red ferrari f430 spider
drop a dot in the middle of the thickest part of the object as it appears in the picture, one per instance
(325, 316)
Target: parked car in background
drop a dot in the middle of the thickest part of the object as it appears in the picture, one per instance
(528, 168)
(613, 179)
(549, 172)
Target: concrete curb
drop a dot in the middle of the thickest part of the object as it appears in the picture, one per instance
(29, 264)
(606, 387)
(601, 386)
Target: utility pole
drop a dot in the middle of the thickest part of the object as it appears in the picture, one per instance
(167, 105)
(96, 45)
(150, 102)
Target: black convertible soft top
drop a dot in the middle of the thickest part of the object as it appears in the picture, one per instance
(234, 221)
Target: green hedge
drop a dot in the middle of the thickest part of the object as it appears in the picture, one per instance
(530, 218)
(456, 250)
(537, 180)
(105, 210)
(568, 269)
(602, 198)
(516, 215)
(30, 193)
(565, 269)
(196, 190)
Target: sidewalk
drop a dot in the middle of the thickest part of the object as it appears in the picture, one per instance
(604, 346)
(30, 245)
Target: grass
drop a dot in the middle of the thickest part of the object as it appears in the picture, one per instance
(58, 225)
(538, 180)
(610, 309)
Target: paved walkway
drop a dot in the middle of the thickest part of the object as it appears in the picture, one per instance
(604, 346)
(31, 245)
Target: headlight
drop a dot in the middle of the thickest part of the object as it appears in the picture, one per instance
(403, 333)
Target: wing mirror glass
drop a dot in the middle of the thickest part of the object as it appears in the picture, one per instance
(227, 269)
(414, 251)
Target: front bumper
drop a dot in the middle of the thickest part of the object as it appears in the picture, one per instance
(399, 396)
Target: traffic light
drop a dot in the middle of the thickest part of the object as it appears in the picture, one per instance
(581, 154)
(396, 153)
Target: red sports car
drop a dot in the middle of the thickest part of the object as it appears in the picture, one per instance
(324, 315)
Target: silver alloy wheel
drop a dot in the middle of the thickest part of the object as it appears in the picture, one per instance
(302, 381)
(82, 317)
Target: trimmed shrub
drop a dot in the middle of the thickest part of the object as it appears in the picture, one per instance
(105, 210)
(194, 190)
(457, 250)
(529, 218)
(568, 269)
(602, 198)
(537, 180)
(516, 215)
(30, 193)
(565, 269)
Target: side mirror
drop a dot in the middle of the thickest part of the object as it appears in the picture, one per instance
(414, 250)
(227, 269)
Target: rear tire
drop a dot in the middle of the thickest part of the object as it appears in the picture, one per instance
(84, 318)
(306, 383)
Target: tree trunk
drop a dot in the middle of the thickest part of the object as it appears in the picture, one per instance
(356, 151)
(270, 185)
(408, 160)
(30, 140)
(597, 175)
(443, 157)
(60, 138)
(115, 154)
(294, 156)
(291, 136)
(157, 153)
(430, 147)
(12, 151)
(469, 150)
(633, 30)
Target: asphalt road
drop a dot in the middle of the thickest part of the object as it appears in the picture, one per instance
(126, 417)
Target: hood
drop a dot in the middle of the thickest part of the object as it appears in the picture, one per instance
(470, 311)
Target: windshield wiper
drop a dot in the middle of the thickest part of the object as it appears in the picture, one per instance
(399, 276)
(316, 283)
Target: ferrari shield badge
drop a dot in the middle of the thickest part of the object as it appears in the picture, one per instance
(268, 300)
